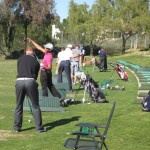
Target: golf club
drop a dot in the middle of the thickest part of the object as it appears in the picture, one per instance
(112, 73)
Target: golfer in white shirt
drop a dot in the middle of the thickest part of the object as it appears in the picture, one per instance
(65, 65)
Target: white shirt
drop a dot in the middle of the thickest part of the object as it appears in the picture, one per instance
(83, 52)
(60, 56)
(67, 54)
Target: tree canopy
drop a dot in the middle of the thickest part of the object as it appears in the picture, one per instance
(84, 25)
(92, 25)
(17, 15)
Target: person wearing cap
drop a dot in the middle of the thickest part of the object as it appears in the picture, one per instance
(65, 65)
(27, 69)
(46, 73)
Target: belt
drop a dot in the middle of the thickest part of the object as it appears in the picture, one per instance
(25, 79)
(74, 61)
(65, 60)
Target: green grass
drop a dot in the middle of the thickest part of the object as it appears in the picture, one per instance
(129, 129)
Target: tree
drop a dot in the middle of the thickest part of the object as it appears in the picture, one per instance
(76, 21)
(129, 16)
(36, 12)
(88, 26)
(99, 22)
(8, 27)
(17, 15)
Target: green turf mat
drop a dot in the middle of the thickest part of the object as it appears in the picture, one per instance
(142, 94)
(145, 87)
(145, 83)
(144, 80)
(139, 100)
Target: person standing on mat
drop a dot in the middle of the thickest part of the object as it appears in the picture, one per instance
(28, 68)
(65, 65)
(46, 73)
(59, 57)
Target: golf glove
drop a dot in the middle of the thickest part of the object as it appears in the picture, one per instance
(42, 66)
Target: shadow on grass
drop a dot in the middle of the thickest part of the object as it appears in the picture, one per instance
(60, 122)
(22, 130)
(77, 90)
(77, 102)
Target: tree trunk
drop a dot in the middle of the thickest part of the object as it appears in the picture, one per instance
(131, 47)
(135, 41)
(91, 49)
(123, 43)
(113, 35)
(25, 33)
(145, 41)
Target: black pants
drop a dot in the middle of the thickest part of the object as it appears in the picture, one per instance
(103, 64)
(29, 88)
(65, 65)
(46, 83)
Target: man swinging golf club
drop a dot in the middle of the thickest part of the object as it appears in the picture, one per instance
(46, 71)
(28, 68)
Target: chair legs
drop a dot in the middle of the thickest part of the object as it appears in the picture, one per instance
(77, 139)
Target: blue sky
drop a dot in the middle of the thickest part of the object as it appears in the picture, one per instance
(63, 5)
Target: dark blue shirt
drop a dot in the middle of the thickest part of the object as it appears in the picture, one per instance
(102, 54)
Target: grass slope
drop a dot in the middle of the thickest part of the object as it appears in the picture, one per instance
(129, 128)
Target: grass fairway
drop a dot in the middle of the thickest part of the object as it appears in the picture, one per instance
(129, 129)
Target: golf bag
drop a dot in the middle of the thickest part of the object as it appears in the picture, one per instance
(120, 70)
(146, 103)
(93, 89)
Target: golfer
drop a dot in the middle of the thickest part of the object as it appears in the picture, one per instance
(103, 60)
(46, 73)
(28, 68)
(75, 63)
(65, 65)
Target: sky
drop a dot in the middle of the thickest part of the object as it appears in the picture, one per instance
(63, 5)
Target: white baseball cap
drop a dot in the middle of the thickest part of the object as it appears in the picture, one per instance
(69, 46)
(49, 46)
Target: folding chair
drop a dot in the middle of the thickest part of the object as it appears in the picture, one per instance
(89, 130)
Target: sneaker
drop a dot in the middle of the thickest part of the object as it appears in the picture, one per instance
(42, 130)
(63, 103)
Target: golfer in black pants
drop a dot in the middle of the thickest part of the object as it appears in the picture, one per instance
(46, 82)
(28, 68)
(103, 60)
(65, 65)
(46, 73)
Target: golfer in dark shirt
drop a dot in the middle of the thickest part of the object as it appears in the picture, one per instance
(28, 68)
(103, 60)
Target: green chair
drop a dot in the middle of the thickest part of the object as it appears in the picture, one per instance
(89, 137)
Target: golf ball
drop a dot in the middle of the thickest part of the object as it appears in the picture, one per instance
(29, 121)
